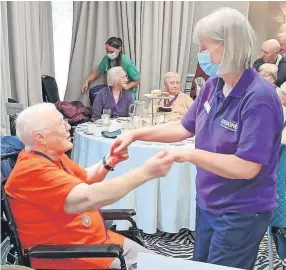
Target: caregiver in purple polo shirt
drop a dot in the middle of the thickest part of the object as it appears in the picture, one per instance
(237, 119)
(115, 96)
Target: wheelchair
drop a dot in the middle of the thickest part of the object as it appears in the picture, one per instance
(12, 251)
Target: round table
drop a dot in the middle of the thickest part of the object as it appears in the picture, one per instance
(167, 203)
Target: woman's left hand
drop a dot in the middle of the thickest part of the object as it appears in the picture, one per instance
(113, 159)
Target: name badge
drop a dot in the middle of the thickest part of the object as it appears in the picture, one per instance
(207, 106)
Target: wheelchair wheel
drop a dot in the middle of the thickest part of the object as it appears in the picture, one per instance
(8, 252)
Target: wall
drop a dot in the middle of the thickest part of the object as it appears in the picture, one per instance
(266, 18)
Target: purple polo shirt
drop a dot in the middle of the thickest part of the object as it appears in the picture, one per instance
(247, 123)
(105, 100)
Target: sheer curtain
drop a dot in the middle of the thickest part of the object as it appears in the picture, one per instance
(26, 54)
(93, 23)
(156, 35)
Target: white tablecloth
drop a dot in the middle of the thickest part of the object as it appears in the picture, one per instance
(166, 203)
(147, 261)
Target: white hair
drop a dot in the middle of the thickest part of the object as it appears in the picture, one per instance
(272, 69)
(33, 118)
(230, 27)
(172, 74)
(281, 35)
(113, 75)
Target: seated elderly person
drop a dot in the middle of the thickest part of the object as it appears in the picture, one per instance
(269, 72)
(55, 201)
(178, 101)
(115, 96)
(270, 54)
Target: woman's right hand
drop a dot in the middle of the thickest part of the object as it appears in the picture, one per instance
(158, 165)
(85, 87)
(121, 143)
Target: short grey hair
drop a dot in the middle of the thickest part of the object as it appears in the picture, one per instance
(230, 27)
(272, 69)
(33, 119)
(113, 75)
(172, 74)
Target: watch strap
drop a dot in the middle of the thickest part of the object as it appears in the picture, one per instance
(107, 167)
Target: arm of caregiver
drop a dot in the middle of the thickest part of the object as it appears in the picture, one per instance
(94, 75)
(85, 197)
(228, 166)
(260, 130)
(169, 132)
(132, 84)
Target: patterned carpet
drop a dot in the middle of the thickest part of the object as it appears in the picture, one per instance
(181, 245)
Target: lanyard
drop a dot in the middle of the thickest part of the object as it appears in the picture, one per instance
(169, 103)
(45, 156)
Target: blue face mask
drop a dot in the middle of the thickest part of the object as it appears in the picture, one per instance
(210, 68)
(112, 56)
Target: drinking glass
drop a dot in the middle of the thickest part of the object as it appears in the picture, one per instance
(131, 111)
(106, 117)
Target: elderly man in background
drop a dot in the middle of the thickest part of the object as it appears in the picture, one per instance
(179, 102)
(55, 201)
(281, 37)
(270, 54)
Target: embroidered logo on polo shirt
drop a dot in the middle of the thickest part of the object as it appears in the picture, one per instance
(86, 221)
(231, 125)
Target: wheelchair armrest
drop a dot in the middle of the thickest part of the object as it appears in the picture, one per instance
(117, 214)
(9, 155)
(76, 251)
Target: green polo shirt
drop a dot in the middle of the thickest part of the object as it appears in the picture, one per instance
(127, 64)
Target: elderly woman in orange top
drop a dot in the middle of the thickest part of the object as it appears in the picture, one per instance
(179, 102)
(63, 199)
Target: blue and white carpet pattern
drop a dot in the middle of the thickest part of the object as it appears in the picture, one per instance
(181, 245)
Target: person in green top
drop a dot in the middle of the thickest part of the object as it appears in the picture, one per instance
(115, 57)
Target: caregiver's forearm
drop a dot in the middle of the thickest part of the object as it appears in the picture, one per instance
(228, 166)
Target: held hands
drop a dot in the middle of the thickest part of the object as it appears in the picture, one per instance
(159, 165)
(113, 159)
(121, 143)
(84, 87)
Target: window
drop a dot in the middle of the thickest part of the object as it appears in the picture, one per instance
(62, 27)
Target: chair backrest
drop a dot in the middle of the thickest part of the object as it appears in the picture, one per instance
(198, 82)
(13, 108)
(279, 215)
(8, 225)
(94, 91)
(9, 145)
(50, 89)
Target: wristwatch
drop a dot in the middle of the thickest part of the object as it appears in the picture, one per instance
(107, 167)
